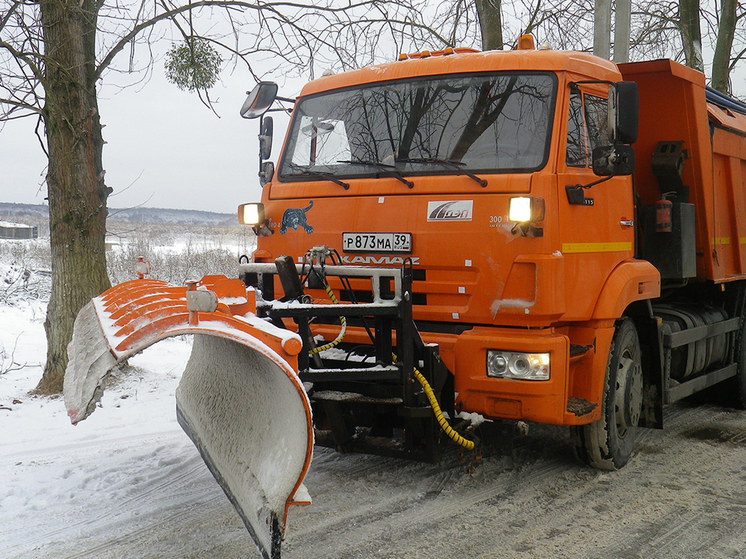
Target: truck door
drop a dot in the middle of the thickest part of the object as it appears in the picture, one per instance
(596, 232)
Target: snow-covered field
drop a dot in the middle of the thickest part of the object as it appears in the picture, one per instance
(69, 490)
(65, 487)
(127, 483)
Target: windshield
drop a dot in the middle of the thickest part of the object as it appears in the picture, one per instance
(498, 122)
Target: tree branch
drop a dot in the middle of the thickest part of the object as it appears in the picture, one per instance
(19, 105)
(259, 7)
(25, 58)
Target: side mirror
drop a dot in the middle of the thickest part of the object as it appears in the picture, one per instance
(266, 172)
(623, 112)
(618, 160)
(259, 100)
(265, 137)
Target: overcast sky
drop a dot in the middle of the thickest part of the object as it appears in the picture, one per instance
(165, 149)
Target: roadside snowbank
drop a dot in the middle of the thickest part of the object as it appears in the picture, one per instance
(62, 484)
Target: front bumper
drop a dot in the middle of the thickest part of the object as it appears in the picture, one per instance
(571, 396)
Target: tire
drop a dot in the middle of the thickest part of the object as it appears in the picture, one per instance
(608, 443)
(737, 386)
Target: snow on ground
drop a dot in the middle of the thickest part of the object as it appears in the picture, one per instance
(54, 474)
(127, 482)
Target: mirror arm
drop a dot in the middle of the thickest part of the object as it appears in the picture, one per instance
(266, 170)
(576, 196)
(594, 183)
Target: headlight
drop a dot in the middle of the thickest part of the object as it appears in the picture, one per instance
(513, 365)
(520, 210)
(251, 214)
(525, 209)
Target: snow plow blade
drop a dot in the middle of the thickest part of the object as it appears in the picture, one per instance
(239, 400)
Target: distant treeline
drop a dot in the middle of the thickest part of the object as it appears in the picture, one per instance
(32, 213)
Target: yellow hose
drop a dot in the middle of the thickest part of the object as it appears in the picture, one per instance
(342, 332)
(447, 429)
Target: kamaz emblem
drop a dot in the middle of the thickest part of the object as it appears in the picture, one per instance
(388, 260)
(458, 210)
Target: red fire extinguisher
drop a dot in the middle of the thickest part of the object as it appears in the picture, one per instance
(663, 216)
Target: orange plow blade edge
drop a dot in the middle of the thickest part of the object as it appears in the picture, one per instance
(239, 400)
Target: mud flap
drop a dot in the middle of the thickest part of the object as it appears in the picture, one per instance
(239, 400)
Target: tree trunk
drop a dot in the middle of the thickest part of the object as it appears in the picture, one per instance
(490, 23)
(721, 58)
(691, 35)
(75, 176)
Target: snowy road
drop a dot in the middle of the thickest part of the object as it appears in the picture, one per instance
(683, 495)
(127, 483)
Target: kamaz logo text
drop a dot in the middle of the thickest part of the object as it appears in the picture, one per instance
(390, 260)
(458, 210)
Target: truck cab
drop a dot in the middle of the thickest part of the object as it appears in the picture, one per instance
(505, 182)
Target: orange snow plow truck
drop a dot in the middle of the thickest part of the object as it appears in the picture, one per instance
(530, 235)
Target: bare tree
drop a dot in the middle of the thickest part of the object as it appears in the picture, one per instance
(684, 30)
(691, 30)
(724, 59)
(490, 23)
(54, 54)
(691, 33)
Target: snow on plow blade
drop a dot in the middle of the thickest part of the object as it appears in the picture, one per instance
(239, 399)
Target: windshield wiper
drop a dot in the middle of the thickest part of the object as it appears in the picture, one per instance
(306, 172)
(458, 165)
(388, 169)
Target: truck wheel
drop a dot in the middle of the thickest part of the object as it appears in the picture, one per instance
(607, 444)
(737, 387)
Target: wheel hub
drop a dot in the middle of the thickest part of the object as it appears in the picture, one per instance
(628, 395)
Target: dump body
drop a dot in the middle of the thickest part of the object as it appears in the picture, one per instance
(673, 108)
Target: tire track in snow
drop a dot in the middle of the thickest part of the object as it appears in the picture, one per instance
(418, 509)
(553, 501)
(176, 479)
(108, 547)
(536, 503)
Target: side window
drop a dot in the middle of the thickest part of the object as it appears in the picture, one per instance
(587, 128)
(576, 154)
(597, 119)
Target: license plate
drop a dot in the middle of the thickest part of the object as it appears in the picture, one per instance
(377, 242)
